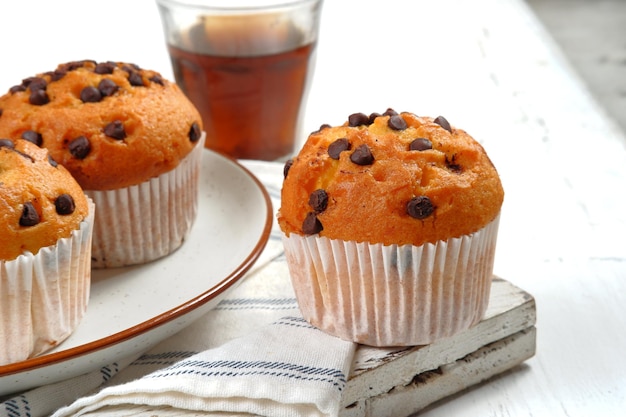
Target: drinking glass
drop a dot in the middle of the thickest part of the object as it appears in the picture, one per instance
(246, 65)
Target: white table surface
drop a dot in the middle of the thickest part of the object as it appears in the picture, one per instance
(490, 68)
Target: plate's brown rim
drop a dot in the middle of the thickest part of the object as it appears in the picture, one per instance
(186, 307)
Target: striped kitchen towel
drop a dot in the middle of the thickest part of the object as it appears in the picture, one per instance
(251, 355)
(262, 359)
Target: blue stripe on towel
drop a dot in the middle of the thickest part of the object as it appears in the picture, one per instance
(257, 304)
(108, 371)
(17, 407)
(294, 322)
(235, 368)
(164, 358)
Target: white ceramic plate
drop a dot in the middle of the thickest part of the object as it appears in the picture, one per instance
(131, 309)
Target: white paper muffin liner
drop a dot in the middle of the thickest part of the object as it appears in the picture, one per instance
(45, 296)
(147, 221)
(392, 295)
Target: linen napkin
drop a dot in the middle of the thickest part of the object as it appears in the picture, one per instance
(253, 354)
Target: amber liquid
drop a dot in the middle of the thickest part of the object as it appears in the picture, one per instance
(249, 105)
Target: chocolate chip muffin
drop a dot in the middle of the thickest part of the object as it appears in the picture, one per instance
(112, 125)
(117, 127)
(390, 223)
(46, 224)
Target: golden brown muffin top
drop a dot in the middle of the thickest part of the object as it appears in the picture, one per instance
(40, 202)
(111, 124)
(391, 179)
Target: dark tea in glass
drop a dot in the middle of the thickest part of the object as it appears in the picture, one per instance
(247, 73)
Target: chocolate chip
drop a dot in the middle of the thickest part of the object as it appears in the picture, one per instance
(7, 143)
(396, 122)
(80, 147)
(195, 132)
(64, 204)
(37, 83)
(318, 200)
(105, 68)
(311, 224)
(17, 89)
(107, 87)
(51, 161)
(74, 65)
(390, 112)
(29, 216)
(287, 167)
(90, 94)
(441, 121)
(358, 119)
(362, 155)
(452, 165)
(338, 146)
(157, 79)
(26, 81)
(0, 112)
(38, 98)
(322, 127)
(373, 117)
(420, 144)
(134, 78)
(57, 74)
(32, 136)
(115, 130)
(131, 67)
(420, 207)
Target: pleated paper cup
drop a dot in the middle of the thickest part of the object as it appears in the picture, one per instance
(141, 223)
(392, 295)
(45, 296)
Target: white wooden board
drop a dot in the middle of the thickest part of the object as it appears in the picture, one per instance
(402, 381)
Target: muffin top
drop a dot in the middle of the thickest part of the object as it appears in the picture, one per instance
(111, 124)
(40, 202)
(391, 178)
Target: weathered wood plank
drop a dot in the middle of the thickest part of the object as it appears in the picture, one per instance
(429, 387)
(377, 371)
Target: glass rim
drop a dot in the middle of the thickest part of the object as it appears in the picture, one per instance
(236, 7)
